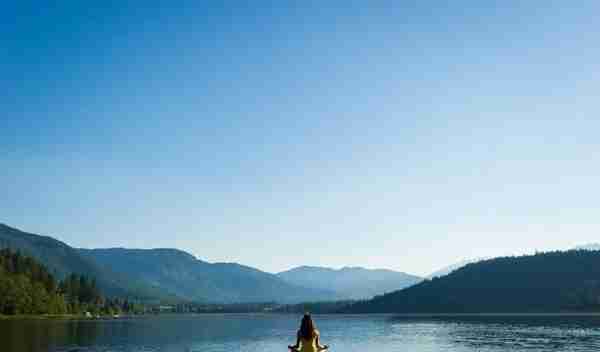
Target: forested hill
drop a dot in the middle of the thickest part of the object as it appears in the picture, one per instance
(63, 260)
(59, 257)
(159, 274)
(27, 287)
(546, 282)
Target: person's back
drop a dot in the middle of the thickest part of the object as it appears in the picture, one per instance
(309, 345)
(307, 338)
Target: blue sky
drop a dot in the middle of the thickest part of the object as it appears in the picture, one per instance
(404, 135)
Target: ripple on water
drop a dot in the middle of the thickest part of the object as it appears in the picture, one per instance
(272, 333)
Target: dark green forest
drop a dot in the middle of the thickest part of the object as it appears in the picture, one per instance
(63, 260)
(27, 287)
(546, 282)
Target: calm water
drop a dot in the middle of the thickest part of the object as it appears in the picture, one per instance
(270, 333)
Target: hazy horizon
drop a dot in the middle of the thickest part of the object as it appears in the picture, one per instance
(459, 262)
(401, 136)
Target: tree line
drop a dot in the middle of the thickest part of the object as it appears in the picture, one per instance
(27, 287)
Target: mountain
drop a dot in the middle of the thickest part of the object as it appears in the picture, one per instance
(450, 268)
(349, 282)
(159, 273)
(545, 282)
(182, 274)
(61, 259)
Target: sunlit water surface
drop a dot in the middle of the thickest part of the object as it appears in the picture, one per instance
(270, 333)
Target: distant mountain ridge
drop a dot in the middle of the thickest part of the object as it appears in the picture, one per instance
(163, 273)
(181, 274)
(350, 282)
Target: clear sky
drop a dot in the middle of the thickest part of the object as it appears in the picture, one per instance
(398, 134)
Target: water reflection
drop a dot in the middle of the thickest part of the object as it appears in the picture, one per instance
(515, 332)
(270, 333)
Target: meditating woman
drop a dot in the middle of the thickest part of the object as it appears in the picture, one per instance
(307, 338)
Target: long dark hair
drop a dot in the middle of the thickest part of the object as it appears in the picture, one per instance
(308, 330)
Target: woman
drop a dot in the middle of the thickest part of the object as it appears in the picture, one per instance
(307, 338)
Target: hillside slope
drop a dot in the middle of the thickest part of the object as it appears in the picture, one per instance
(180, 273)
(453, 267)
(61, 260)
(547, 282)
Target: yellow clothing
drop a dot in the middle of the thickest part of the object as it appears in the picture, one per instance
(309, 345)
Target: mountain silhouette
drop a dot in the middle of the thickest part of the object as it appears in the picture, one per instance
(162, 273)
(350, 282)
(182, 274)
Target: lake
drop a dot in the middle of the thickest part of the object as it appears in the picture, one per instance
(270, 333)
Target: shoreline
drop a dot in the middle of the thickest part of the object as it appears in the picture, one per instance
(355, 315)
(60, 317)
(42, 317)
